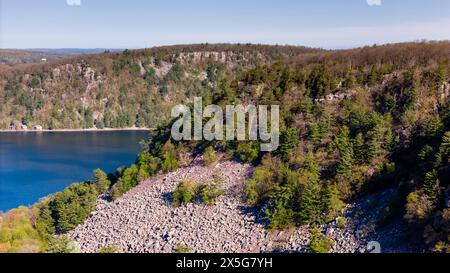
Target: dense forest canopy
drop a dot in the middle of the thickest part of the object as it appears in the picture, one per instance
(353, 122)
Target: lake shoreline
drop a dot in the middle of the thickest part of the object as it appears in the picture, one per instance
(37, 164)
(74, 130)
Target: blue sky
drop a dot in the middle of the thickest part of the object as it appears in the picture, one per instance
(146, 23)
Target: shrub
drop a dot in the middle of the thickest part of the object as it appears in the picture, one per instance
(418, 208)
(280, 218)
(206, 192)
(62, 244)
(185, 192)
(181, 248)
(117, 191)
(211, 190)
(148, 163)
(341, 222)
(130, 179)
(209, 156)
(170, 158)
(320, 243)
(108, 249)
(265, 178)
(247, 151)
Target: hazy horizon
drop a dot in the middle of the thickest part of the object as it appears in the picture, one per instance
(168, 45)
(82, 24)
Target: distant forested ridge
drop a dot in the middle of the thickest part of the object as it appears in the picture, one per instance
(117, 90)
(353, 123)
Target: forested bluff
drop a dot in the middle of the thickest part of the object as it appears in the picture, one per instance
(354, 123)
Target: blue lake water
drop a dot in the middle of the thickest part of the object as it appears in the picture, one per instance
(34, 165)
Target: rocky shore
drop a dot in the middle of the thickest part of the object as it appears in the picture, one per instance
(142, 221)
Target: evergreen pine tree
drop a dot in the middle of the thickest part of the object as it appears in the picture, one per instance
(443, 154)
(310, 205)
(101, 181)
(346, 155)
(359, 149)
(289, 140)
(310, 210)
(314, 134)
(45, 224)
(332, 204)
(431, 186)
(311, 166)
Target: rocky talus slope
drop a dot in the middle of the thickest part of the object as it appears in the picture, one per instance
(142, 221)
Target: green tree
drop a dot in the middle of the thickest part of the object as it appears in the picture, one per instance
(150, 76)
(431, 186)
(442, 72)
(344, 147)
(359, 148)
(431, 126)
(108, 120)
(280, 212)
(45, 224)
(311, 207)
(148, 163)
(315, 134)
(88, 118)
(73, 205)
(443, 154)
(101, 181)
(129, 178)
(170, 158)
(374, 76)
(319, 82)
(333, 205)
(288, 141)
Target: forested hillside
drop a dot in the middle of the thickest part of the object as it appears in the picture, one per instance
(11, 57)
(117, 90)
(353, 123)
